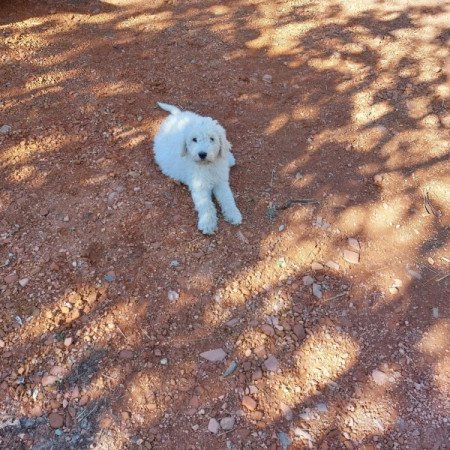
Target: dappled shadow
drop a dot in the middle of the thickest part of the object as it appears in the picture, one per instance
(345, 106)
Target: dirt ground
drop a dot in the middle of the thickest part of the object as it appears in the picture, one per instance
(332, 317)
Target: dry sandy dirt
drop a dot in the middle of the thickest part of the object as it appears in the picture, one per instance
(332, 317)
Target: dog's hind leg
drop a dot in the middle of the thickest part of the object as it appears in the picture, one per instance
(207, 216)
(224, 196)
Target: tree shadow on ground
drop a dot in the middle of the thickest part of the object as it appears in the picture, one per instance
(339, 107)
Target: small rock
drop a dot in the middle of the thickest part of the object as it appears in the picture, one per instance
(436, 313)
(56, 420)
(354, 244)
(316, 266)
(284, 439)
(308, 280)
(260, 351)
(272, 364)
(257, 374)
(286, 411)
(299, 331)
(24, 281)
(414, 274)
(48, 380)
(281, 228)
(213, 426)
(5, 129)
(317, 290)
(174, 264)
(397, 283)
(231, 368)
(332, 265)
(267, 330)
(379, 377)
(109, 277)
(173, 296)
(267, 78)
(105, 422)
(227, 423)
(378, 179)
(232, 323)
(11, 278)
(68, 341)
(164, 361)
(249, 403)
(215, 355)
(322, 407)
(303, 434)
(84, 400)
(126, 354)
(351, 256)
(66, 218)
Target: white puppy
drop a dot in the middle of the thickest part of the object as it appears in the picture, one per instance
(195, 151)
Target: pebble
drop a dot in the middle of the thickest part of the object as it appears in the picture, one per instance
(316, 266)
(435, 314)
(257, 374)
(84, 400)
(126, 354)
(299, 331)
(173, 296)
(56, 420)
(213, 426)
(5, 129)
(332, 265)
(267, 330)
(68, 341)
(215, 355)
(308, 280)
(174, 264)
(109, 277)
(272, 364)
(231, 368)
(351, 256)
(48, 380)
(11, 278)
(284, 439)
(232, 323)
(227, 423)
(379, 377)
(322, 407)
(2, 343)
(378, 179)
(164, 361)
(317, 290)
(303, 434)
(354, 244)
(267, 78)
(24, 281)
(249, 402)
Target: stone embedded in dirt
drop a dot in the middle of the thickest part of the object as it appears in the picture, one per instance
(308, 280)
(2, 343)
(232, 323)
(213, 426)
(332, 265)
(414, 274)
(303, 434)
(379, 377)
(59, 371)
(436, 313)
(105, 422)
(249, 403)
(11, 278)
(84, 400)
(24, 281)
(267, 78)
(227, 423)
(316, 266)
(299, 331)
(284, 439)
(260, 351)
(272, 364)
(354, 244)
(257, 374)
(56, 420)
(322, 407)
(5, 129)
(317, 290)
(286, 411)
(351, 256)
(231, 368)
(267, 330)
(68, 341)
(173, 296)
(48, 380)
(215, 355)
(126, 354)
(378, 179)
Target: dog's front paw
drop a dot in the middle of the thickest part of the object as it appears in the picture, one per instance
(207, 225)
(234, 217)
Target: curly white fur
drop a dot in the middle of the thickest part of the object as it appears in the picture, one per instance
(195, 151)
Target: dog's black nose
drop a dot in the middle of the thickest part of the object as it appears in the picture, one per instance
(202, 155)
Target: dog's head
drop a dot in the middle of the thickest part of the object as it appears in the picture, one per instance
(206, 141)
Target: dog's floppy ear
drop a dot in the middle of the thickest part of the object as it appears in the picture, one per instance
(225, 146)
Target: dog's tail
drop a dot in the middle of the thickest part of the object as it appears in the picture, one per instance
(169, 108)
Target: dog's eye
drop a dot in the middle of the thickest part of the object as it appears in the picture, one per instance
(211, 139)
(194, 139)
